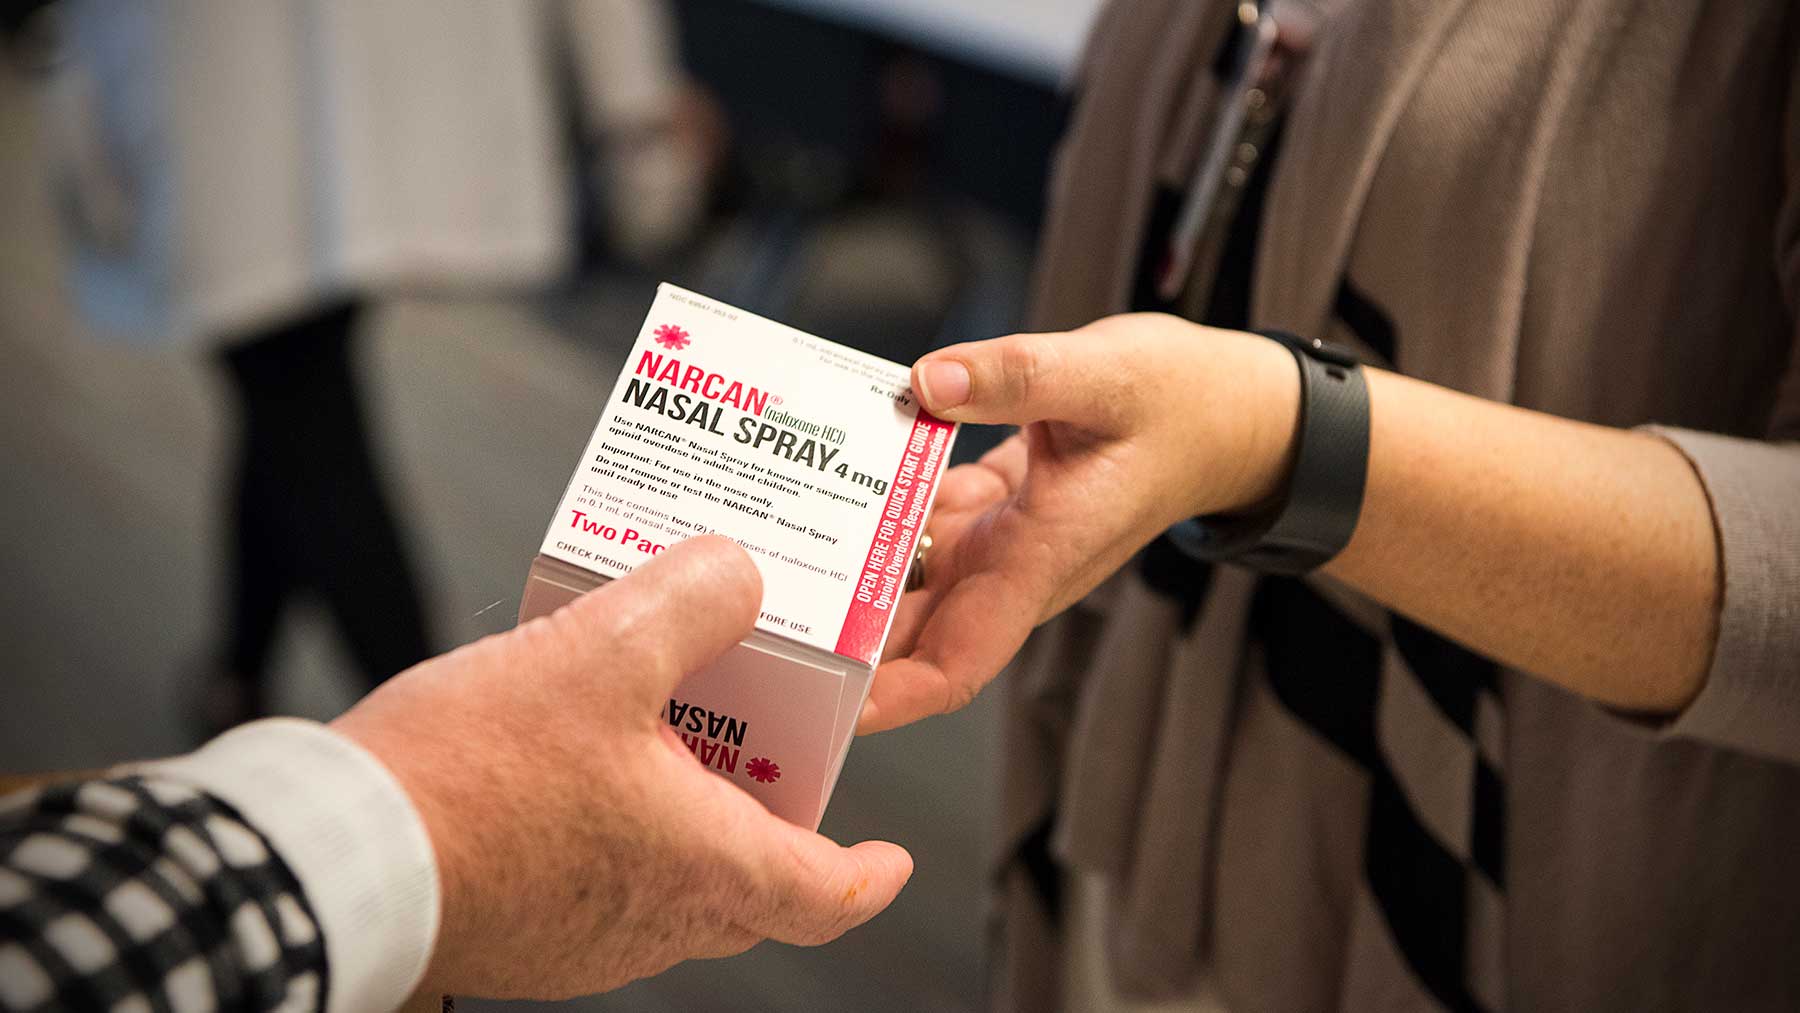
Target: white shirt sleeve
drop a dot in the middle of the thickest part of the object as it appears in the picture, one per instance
(351, 837)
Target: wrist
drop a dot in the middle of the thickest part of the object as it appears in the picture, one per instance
(1265, 415)
(407, 761)
(1318, 491)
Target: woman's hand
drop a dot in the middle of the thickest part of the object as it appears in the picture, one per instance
(1582, 554)
(1129, 425)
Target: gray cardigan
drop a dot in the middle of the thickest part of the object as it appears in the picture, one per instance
(1589, 209)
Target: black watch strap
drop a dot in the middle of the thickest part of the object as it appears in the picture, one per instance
(1317, 510)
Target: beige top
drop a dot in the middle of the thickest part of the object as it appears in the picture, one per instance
(1588, 209)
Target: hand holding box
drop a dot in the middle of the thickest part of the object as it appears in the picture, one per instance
(817, 460)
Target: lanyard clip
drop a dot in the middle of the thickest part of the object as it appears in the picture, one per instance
(1251, 44)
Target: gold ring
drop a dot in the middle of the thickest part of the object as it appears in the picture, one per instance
(915, 577)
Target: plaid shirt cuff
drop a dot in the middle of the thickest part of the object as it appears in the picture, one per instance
(145, 894)
(351, 836)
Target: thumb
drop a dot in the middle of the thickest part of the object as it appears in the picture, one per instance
(814, 890)
(673, 615)
(1026, 378)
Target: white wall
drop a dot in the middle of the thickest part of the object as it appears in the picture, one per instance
(1034, 39)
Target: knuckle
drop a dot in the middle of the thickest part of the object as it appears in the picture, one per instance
(532, 634)
(599, 626)
(601, 622)
(959, 694)
(542, 642)
(1023, 365)
(828, 918)
(954, 691)
(841, 923)
(817, 932)
(814, 905)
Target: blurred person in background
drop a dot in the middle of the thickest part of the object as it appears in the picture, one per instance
(1495, 702)
(250, 179)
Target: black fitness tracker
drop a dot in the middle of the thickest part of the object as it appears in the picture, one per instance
(1314, 516)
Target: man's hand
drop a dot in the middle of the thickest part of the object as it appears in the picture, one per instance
(1131, 424)
(579, 845)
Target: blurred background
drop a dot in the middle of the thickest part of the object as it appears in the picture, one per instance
(308, 306)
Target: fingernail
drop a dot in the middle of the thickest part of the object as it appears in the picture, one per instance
(943, 384)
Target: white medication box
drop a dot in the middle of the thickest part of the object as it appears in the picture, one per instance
(812, 456)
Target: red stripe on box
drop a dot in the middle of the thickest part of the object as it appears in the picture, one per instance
(883, 575)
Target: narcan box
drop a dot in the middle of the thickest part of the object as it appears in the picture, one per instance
(816, 459)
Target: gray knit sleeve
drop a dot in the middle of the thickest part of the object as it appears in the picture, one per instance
(1751, 698)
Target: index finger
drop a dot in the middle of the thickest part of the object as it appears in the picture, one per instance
(974, 629)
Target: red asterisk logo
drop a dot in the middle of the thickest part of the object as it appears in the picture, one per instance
(672, 337)
(763, 769)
